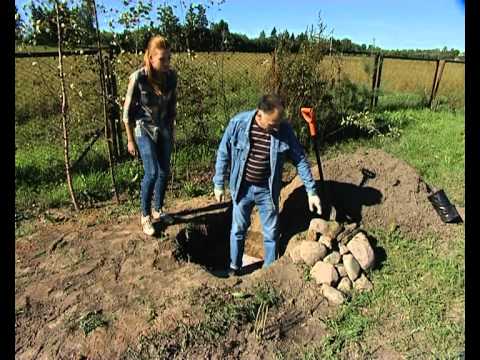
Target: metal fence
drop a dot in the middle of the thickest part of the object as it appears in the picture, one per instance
(212, 87)
(421, 81)
(235, 81)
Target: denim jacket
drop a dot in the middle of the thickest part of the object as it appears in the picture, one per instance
(235, 145)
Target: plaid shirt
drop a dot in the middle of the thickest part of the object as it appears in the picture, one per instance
(141, 102)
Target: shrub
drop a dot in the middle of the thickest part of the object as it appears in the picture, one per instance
(302, 81)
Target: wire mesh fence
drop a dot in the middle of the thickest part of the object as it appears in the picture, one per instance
(212, 87)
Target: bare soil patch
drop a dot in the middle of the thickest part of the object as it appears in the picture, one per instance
(87, 290)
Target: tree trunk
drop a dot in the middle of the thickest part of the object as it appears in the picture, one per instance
(104, 100)
(64, 110)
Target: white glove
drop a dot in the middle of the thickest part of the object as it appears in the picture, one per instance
(314, 201)
(219, 194)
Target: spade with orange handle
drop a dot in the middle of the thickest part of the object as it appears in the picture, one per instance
(308, 114)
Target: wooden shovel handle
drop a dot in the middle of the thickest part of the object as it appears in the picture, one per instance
(309, 116)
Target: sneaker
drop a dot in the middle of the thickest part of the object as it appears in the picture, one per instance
(163, 216)
(156, 214)
(233, 272)
(147, 226)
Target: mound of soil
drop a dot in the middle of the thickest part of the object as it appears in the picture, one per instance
(395, 198)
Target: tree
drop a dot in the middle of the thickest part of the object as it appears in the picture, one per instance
(273, 34)
(76, 22)
(18, 25)
(346, 45)
(196, 27)
(169, 26)
(263, 43)
(134, 19)
(43, 31)
(220, 35)
(65, 110)
(85, 24)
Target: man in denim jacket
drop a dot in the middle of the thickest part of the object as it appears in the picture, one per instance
(255, 145)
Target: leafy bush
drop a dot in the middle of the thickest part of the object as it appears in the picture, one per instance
(196, 98)
(302, 82)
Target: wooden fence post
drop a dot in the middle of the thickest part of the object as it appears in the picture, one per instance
(437, 83)
(437, 62)
(379, 77)
(374, 80)
(115, 111)
(110, 108)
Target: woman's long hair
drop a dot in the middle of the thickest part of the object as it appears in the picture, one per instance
(159, 81)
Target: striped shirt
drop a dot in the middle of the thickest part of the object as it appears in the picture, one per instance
(258, 161)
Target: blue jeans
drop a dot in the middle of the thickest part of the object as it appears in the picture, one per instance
(156, 166)
(250, 195)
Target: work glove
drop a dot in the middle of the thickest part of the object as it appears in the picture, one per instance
(219, 194)
(314, 201)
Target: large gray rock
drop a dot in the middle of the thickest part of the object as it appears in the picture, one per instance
(362, 284)
(328, 228)
(334, 296)
(324, 273)
(318, 225)
(352, 267)
(326, 240)
(341, 270)
(347, 229)
(345, 286)
(312, 251)
(346, 235)
(312, 235)
(332, 258)
(343, 249)
(360, 248)
(295, 254)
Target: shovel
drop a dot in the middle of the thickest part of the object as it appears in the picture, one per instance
(309, 116)
(442, 205)
(367, 175)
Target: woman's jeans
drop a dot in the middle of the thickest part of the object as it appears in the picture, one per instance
(156, 166)
(250, 195)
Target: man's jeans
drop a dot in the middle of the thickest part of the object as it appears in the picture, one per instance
(250, 195)
(156, 165)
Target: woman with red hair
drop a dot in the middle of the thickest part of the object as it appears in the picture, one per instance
(149, 116)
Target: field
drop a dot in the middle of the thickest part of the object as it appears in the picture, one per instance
(91, 285)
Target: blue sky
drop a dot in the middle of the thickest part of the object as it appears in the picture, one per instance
(394, 24)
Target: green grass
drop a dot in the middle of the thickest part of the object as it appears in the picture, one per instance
(417, 304)
(410, 308)
(219, 310)
(431, 142)
(91, 321)
(434, 144)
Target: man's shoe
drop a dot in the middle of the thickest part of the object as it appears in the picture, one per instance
(233, 272)
(162, 216)
(147, 225)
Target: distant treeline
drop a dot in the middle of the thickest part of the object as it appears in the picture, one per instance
(195, 33)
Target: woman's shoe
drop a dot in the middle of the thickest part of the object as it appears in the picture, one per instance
(147, 225)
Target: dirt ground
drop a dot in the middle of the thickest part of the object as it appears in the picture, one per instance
(144, 285)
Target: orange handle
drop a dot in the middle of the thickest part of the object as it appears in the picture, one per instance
(309, 116)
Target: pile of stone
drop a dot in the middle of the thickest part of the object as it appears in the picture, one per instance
(338, 256)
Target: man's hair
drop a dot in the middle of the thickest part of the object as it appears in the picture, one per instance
(269, 102)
